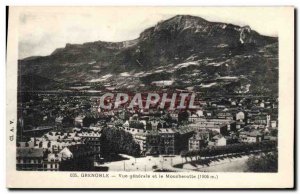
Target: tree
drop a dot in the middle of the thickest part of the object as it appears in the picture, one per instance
(88, 120)
(263, 163)
(118, 141)
(274, 132)
(183, 117)
(148, 126)
(265, 146)
(136, 124)
(119, 123)
(184, 154)
(159, 126)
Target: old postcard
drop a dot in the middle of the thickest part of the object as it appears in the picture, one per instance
(150, 97)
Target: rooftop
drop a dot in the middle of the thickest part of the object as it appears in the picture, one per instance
(29, 152)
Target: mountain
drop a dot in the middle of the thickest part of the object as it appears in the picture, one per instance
(183, 52)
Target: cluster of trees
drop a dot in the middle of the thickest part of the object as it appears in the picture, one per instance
(136, 124)
(183, 117)
(88, 120)
(274, 132)
(34, 120)
(229, 149)
(118, 123)
(77, 164)
(115, 140)
(265, 162)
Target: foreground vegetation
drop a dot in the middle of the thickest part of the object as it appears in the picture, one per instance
(265, 162)
(229, 150)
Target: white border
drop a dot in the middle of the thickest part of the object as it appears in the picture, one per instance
(105, 2)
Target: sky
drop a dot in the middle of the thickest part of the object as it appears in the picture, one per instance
(43, 29)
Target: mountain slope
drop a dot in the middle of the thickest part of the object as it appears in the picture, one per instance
(188, 51)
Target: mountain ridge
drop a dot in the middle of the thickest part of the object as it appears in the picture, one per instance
(175, 41)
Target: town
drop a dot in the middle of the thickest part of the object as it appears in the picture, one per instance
(69, 132)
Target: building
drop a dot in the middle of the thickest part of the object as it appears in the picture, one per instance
(251, 137)
(141, 139)
(213, 126)
(254, 137)
(167, 141)
(173, 141)
(196, 142)
(153, 143)
(194, 118)
(52, 162)
(240, 116)
(224, 115)
(240, 125)
(174, 115)
(273, 124)
(93, 142)
(222, 126)
(30, 158)
(79, 120)
(219, 140)
(261, 120)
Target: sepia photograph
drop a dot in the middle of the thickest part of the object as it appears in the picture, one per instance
(171, 91)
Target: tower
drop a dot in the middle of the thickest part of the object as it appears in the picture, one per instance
(268, 120)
